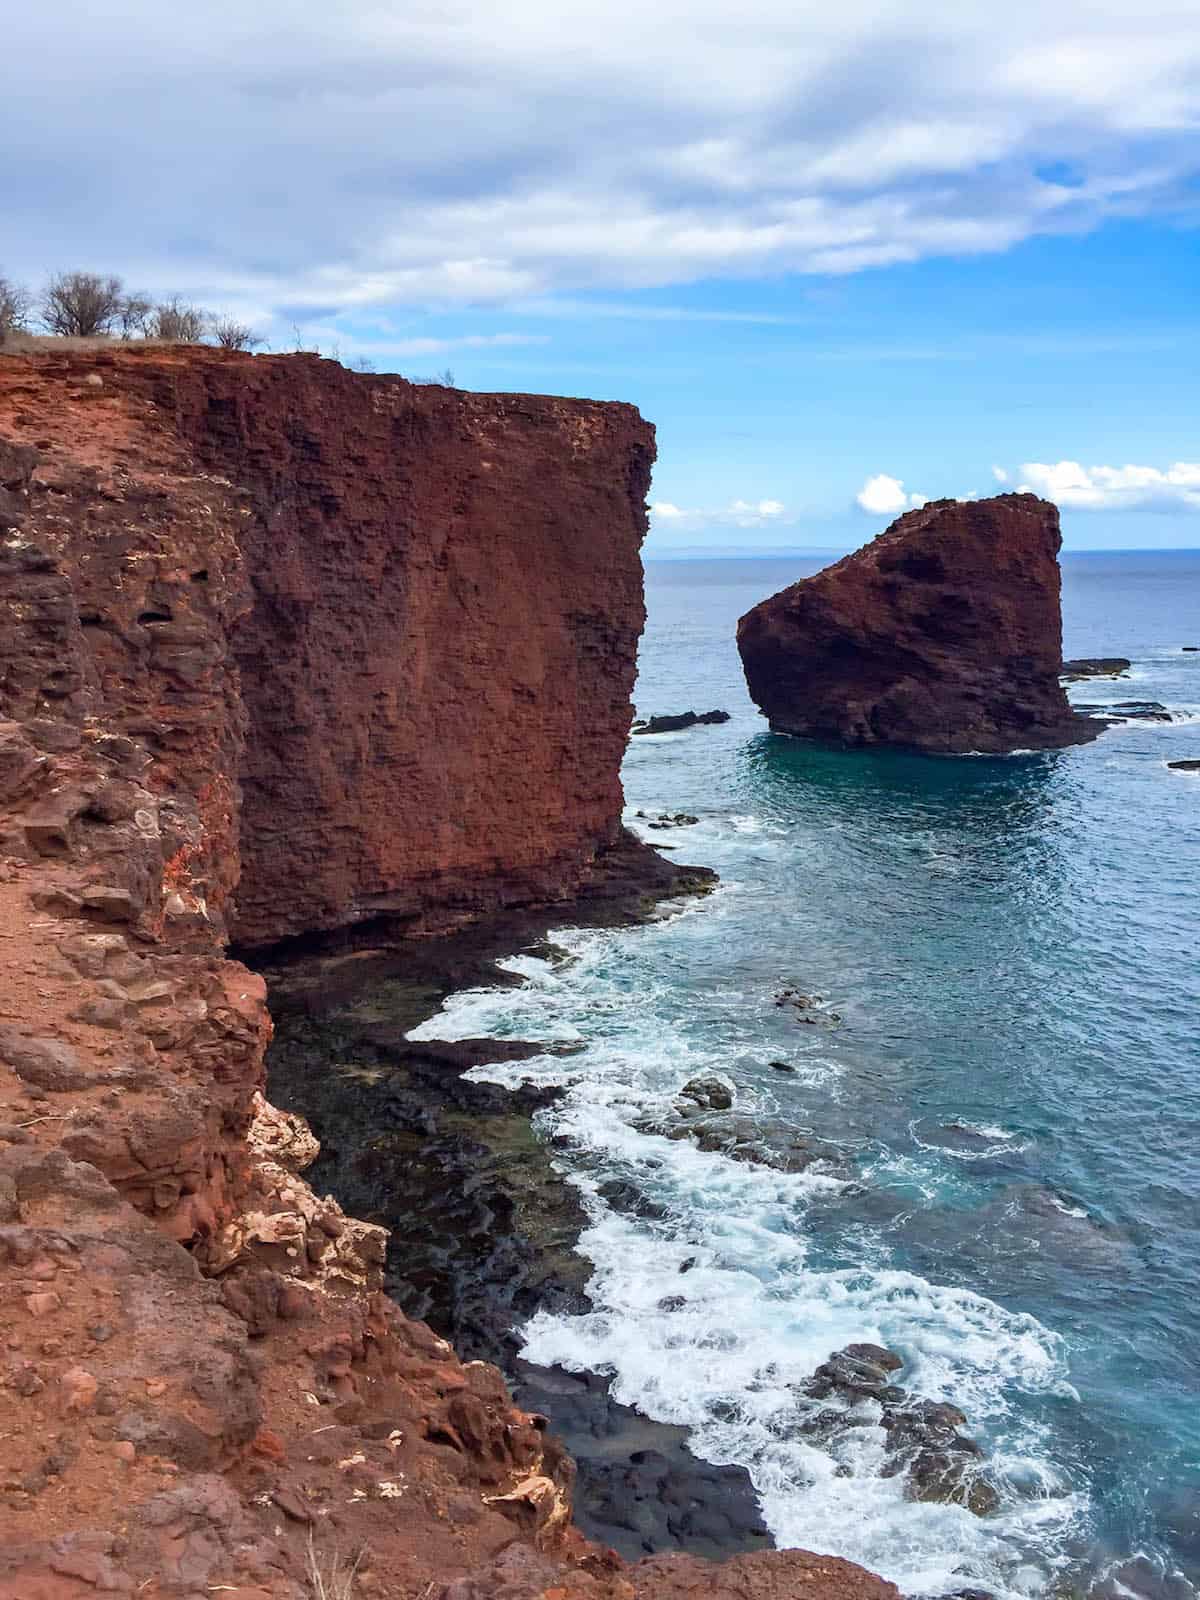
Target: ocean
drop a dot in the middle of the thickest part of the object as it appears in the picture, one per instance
(1004, 1062)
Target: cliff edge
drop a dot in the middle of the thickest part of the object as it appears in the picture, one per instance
(943, 634)
(281, 648)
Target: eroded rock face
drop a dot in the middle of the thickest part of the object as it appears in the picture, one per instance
(437, 657)
(414, 612)
(943, 634)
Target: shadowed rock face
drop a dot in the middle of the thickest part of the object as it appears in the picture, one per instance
(943, 634)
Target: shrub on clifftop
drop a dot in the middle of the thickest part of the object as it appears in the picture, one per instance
(14, 307)
(230, 335)
(177, 322)
(82, 305)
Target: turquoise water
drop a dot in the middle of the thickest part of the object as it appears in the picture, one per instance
(1015, 1082)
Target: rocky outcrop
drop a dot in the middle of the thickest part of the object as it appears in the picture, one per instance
(202, 1387)
(1081, 667)
(421, 605)
(943, 634)
(679, 721)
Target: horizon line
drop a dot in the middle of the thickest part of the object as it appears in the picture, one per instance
(787, 551)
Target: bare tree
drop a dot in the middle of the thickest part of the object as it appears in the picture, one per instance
(231, 335)
(442, 380)
(15, 303)
(81, 305)
(134, 315)
(362, 364)
(176, 320)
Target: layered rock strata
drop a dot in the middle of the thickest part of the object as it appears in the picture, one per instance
(202, 1388)
(943, 634)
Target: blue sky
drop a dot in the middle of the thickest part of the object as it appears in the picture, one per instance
(842, 257)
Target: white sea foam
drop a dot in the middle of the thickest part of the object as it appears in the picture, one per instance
(986, 1130)
(757, 1313)
(990, 755)
(757, 1321)
(994, 1140)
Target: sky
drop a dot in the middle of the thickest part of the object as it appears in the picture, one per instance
(845, 257)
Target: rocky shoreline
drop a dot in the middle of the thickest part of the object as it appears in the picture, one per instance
(489, 1227)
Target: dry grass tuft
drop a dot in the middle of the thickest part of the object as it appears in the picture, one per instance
(330, 1576)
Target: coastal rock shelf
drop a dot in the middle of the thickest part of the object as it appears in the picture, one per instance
(944, 634)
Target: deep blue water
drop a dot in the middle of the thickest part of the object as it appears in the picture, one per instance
(1011, 947)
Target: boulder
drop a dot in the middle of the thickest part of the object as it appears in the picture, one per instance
(1094, 667)
(49, 1064)
(858, 1372)
(944, 634)
(20, 762)
(710, 1092)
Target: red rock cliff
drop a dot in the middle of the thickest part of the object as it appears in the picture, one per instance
(204, 563)
(437, 657)
(942, 634)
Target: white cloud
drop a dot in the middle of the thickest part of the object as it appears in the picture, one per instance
(884, 496)
(738, 513)
(1127, 488)
(434, 347)
(749, 513)
(1000, 474)
(315, 159)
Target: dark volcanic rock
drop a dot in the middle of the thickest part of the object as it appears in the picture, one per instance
(711, 1092)
(858, 1370)
(1094, 667)
(640, 1489)
(756, 1140)
(683, 719)
(921, 1437)
(943, 634)
(449, 1166)
(668, 819)
(1129, 710)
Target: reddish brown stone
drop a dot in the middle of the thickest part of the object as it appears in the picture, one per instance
(371, 647)
(766, 1575)
(943, 634)
(446, 599)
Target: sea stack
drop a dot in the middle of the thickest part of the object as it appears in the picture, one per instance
(943, 634)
